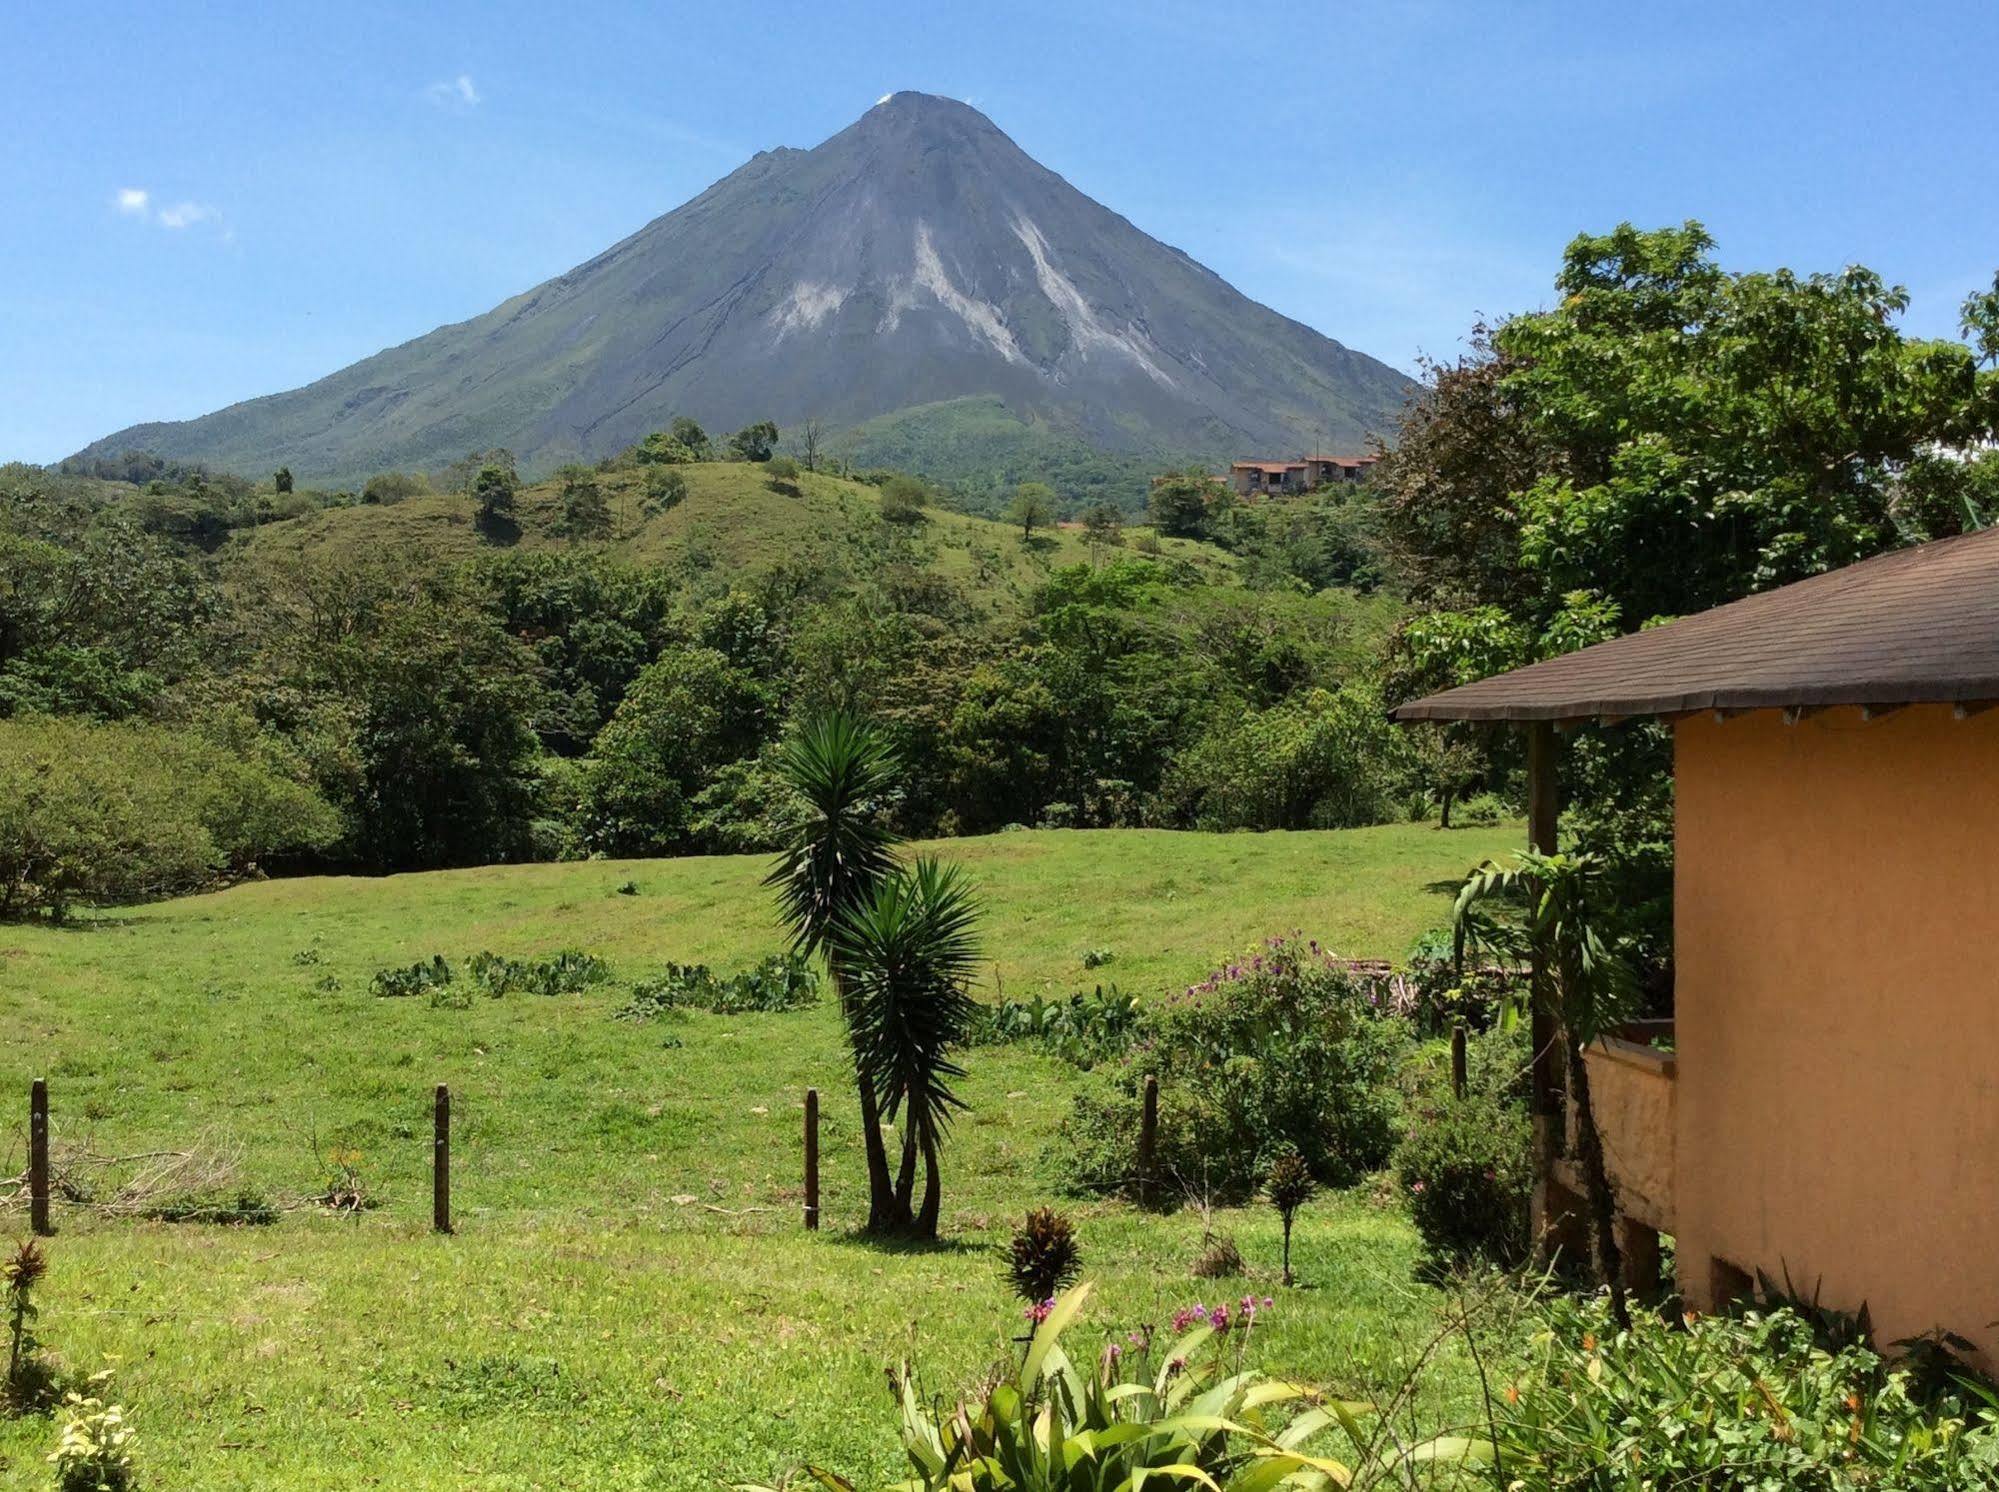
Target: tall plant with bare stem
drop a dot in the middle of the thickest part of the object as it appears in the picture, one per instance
(1563, 924)
(842, 850)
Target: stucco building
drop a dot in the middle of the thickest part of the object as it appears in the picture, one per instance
(1828, 1102)
(1259, 478)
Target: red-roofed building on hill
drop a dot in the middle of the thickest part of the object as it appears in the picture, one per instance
(1257, 478)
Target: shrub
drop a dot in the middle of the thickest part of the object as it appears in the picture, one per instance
(94, 1452)
(1083, 1029)
(1285, 1046)
(1042, 1256)
(903, 500)
(98, 813)
(1728, 1403)
(1289, 1185)
(1317, 760)
(31, 1379)
(415, 979)
(569, 972)
(665, 489)
(783, 981)
(1466, 1168)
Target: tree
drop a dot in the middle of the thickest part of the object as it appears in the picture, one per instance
(690, 435)
(1585, 984)
(842, 849)
(585, 513)
(810, 435)
(665, 489)
(661, 449)
(493, 490)
(387, 487)
(281, 479)
(754, 442)
(1033, 507)
(903, 499)
(1103, 528)
(1289, 1185)
(906, 955)
(1178, 502)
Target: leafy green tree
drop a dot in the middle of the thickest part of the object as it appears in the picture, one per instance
(754, 442)
(1320, 760)
(691, 435)
(494, 490)
(1585, 983)
(843, 770)
(906, 955)
(661, 449)
(686, 715)
(1103, 527)
(903, 499)
(1178, 502)
(388, 487)
(281, 479)
(665, 490)
(585, 513)
(1033, 507)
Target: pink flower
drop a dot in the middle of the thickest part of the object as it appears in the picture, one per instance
(1416, 1187)
(1036, 1314)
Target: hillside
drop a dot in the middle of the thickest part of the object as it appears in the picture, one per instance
(735, 522)
(916, 258)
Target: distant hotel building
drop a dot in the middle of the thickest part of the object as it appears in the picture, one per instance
(1255, 478)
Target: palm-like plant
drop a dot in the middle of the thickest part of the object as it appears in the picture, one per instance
(840, 853)
(1587, 982)
(904, 957)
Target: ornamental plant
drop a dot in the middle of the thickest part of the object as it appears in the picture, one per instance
(1289, 1186)
(1043, 1256)
(29, 1377)
(94, 1451)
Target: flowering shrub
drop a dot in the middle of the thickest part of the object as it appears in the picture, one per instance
(1284, 1046)
(1466, 1168)
(1729, 1403)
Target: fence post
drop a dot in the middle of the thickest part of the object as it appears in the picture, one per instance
(1148, 1139)
(440, 1163)
(812, 1159)
(38, 1158)
(1458, 1060)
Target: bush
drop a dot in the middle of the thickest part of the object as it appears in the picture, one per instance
(781, 470)
(1466, 1168)
(112, 813)
(1729, 1403)
(94, 1453)
(665, 489)
(903, 500)
(1285, 1046)
(1318, 760)
(569, 972)
(1083, 1029)
(416, 979)
(783, 981)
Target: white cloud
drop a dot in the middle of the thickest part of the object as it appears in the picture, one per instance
(454, 93)
(133, 201)
(185, 215)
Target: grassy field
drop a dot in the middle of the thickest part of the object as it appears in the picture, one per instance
(630, 1301)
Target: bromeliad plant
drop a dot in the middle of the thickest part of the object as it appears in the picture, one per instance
(1186, 1416)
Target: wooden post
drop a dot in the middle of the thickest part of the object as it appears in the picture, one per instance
(812, 1160)
(440, 1163)
(1148, 1139)
(1458, 1060)
(1545, 1099)
(38, 1158)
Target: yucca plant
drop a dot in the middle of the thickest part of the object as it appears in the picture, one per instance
(1123, 1423)
(1589, 985)
(905, 956)
(842, 768)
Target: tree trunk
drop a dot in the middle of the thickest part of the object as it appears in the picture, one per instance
(933, 1190)
(1596, 1180)
(1287, 1249)
(882, 1212)
(1444, 804)
(905, 1181)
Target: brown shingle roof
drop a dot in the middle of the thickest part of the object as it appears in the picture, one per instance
(1914, 626)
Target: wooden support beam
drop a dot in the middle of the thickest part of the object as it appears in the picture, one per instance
(1964, 709)
(1879, 712)
(1794, 713)
(1547, 1080)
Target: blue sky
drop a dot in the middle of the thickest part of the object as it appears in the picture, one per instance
(323, 181)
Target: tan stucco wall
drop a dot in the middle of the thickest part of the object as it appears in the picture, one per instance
(1837, 1002)
(1634, 1094)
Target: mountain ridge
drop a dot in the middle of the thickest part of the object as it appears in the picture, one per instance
(916, 257)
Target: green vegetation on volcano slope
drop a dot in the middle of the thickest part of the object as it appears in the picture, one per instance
(630, 1301)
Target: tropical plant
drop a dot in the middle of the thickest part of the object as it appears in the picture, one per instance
(1585, 986)
(1187, 1413)
(568, 972)
(842, 847)
(1289, 1185)
(905, 957)
(1042, 1257)
(782, 981)
(30, 1380)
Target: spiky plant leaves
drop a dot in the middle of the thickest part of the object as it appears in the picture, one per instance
(1043, 1256)
(843, 768)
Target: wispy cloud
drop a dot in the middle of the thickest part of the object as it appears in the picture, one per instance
(454, 93)
(137, 202)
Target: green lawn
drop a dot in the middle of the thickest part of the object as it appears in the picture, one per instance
(630, 1301)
